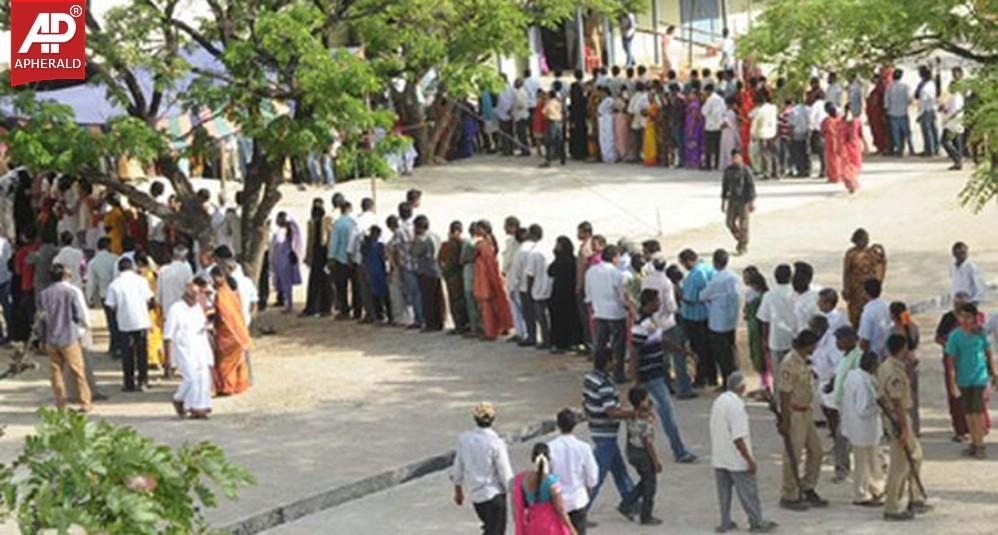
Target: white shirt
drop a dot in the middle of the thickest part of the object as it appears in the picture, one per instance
(826, 357)
(101, 270)
(72, 259)
(875, 324)
(481, 465)
(834, 94)
(508, 255)
(572, 460)
(248, 295)
(517, 276)
(713, 112)
(729, 422)
(927, 97)
(129, 296)
(805, 308)
(173, 278)
(967, 278)
(666, 316)
(605, 291)
(531, 85)
(764, 123)
(537, 267)
(953, 115)
(639, 103)
(504, 104)
(818, 114)
(6, 253)
(777, 309)
(186, 329)
(860, 413)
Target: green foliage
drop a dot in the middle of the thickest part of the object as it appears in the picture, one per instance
(111, 480)
(857, 36)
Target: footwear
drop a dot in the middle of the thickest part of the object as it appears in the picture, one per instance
(628, 513)
(688, 395)
(97, 396)
(868, 503)
(814, 500)
(178, 406)
(919, 507)
(981, 453)
(767, 526)
(897, 517)
(687, 458)
(724, 528)
(793, 505)
(651, 521)
(969, 451)
(959, 439)
(527, 343)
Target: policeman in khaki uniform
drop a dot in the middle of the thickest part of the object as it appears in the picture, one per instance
(896, 388)
(796, 392)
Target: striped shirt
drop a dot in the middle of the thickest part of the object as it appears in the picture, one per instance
(647, 339)
(599, 394)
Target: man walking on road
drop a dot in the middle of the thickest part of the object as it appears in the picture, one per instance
(572, 460)
(482, 464)
(64, 316)
(738, 199)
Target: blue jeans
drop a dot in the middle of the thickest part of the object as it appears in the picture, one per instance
(900, 135)
(8, 307)
(519, 324)
(412, 286)
(663, 404)
(610, 459)
(683, 385)
(320, 169)
(930, 132)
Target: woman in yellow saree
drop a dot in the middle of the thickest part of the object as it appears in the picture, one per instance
(154, 340)
(232, 338)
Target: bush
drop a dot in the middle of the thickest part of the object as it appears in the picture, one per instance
(109, 479)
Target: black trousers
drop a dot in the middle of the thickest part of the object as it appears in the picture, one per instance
(641, 460)
(523, 142)
(818, 149)
(712, 140)
(343, 276)
(722, 348)
(134, 357)
(799, 157)
(506, 137)
(529, 317)
(696, 333)
(493, 515)
(579, 520)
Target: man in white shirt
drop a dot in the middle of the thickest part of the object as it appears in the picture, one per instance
(926, 93)
(173, 279)
(817, 116)
(777, 314)
(862, 427)
(101, 270)
(953, 122)
(965, 275)
(364, 221)
(805, 298)
(833, 93)
(518, 282)
(540, 285)
(185, 343)
(638, 109)
(764, 130)
(896, 101)
(727, 51)
(875, 321)
(605, 292)
(572, 460)
(713, 118)
(521, 117)
(531, 85)
(731, 457)
(504, 113)
(666, 320)
(130, 298)
(245, 287)
(514, 238)
(481, 464)
(71, 258)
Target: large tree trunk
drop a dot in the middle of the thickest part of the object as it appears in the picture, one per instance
(259, 197)
(414, 117)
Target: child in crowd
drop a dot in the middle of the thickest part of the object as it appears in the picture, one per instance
(642, 456)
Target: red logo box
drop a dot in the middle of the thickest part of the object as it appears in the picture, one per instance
(48, 40)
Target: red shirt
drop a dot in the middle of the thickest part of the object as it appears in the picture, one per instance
(23, 268)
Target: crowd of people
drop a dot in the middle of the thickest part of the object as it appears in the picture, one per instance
(67, 250)
(696, 121)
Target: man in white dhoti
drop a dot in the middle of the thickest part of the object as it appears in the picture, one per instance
(604, 113)
(185, 341)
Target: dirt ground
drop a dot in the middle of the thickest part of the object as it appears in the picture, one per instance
(335, 402)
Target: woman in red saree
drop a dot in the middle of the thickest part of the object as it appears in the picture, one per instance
(747, 103)
(876, 115)
(538, 507)
(831, 129)
(853, 145)
(497, 318)
(232, 339)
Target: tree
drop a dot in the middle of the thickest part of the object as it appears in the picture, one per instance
(267, 55)
(451, 42)
(110, 479)
(860, 35)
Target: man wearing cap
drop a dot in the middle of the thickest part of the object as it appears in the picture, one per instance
(572, 460)
(731, 456)
(796, 394)
(482, 464)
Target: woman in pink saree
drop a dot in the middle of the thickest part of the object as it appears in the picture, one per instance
(538, 508)
(853, 145)
(831, 128)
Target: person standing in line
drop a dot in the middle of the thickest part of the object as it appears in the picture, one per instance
(796, 395)
(862, 261)
(694, 313)
(875, 323)
(573, 462)
(130, 298)
(489, 292)
(947, 324)
(896, 101)
(481, 463)
(504, 114)
(62, 324)
(818, 114)
(397, 298)
(738, 200)
(539, 286)
(953, 124)
(101, 270)
(319, 299)
(800, 125)
(926, 93)
(853, 146)
(565, 325)
(185, 343)
(373, 252)
(764, 131)
(722, 295)
(732, 459)
(713, 112)
(893, 376)
(467, 260)
(862, 428)
(601, 402)
(514, 241)
(285, 255)
(605, 292)
(452, 272)
(406, 236)
(361, 286)
(965, 274)
(969, 351)
(521, 116)
(173, 279)
(339, 256)
(756, 288)
(666, 318)
(518, 280)
(424, 254)
(578, 112)
(584, 234)
(554, 115)
(638, 107)
(876, 115)
(532, 87)
(776, 312)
